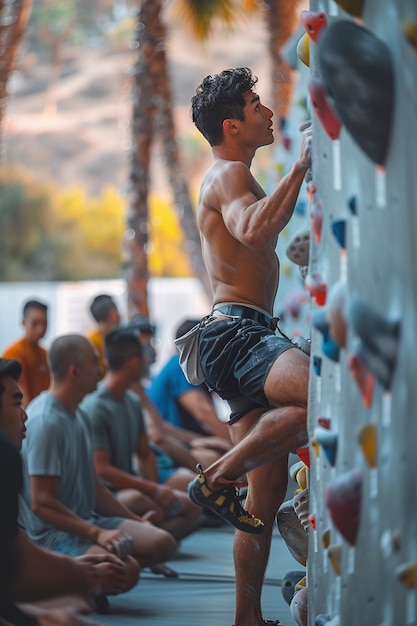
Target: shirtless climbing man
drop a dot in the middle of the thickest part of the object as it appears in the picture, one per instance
(262, 375)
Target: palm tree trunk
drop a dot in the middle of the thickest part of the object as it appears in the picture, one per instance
(13, 21)
(145, 73)
(152, 115)
(281, 18)
(179, 186)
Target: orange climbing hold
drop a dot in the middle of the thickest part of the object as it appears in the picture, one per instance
(363, 377)
(311, 190)
(317, 220)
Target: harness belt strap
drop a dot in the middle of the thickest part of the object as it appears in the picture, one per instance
(239, 404)
(246, 311)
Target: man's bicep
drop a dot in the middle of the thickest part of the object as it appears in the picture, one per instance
(101, 459)
(44, 488)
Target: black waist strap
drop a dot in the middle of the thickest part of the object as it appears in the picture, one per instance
(245, 311)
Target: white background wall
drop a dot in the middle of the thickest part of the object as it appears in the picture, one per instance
(170, 301)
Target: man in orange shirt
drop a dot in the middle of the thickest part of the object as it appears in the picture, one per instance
(32, 356)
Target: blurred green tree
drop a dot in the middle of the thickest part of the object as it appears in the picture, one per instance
(33, 247)
(51, 234)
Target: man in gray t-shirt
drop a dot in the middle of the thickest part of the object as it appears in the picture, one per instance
(123, 457)
(58, 444)
(64, 506)
(116, 425)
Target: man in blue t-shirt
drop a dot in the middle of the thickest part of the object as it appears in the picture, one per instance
(184, 405)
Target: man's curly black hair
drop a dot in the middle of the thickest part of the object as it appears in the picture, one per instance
(220, 97)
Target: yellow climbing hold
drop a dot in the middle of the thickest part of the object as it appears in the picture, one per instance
(410, 32)
(301, 478)
(368, 441)
(303, 49)
(325, 538)
(407, 574)
(316, 447)
(335, 557)
(301, 583)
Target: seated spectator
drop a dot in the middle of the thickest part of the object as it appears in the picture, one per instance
(120, 439)
(64, 506)
(175, 447)
(106, 315)
(179, 402)
(146, 332)
(28, 351)
(28, 574)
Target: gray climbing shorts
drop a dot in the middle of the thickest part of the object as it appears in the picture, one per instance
(236, 355)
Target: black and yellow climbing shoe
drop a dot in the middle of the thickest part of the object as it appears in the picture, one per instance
(225, 503)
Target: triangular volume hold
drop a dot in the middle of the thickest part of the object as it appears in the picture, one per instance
(357, 71)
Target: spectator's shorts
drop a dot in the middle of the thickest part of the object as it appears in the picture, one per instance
(60, 541)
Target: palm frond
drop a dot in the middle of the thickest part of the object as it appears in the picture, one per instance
(199, 16)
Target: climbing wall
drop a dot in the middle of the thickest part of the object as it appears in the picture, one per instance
(362, 278)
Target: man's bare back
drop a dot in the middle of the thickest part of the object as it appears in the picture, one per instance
(238, 271)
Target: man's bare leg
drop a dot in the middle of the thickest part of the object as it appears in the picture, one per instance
(276, 432)
(267, 487)
(263, 456)
(43, 573)
(179, 525)
(151, 545)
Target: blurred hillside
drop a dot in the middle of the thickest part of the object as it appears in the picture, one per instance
(76, 131)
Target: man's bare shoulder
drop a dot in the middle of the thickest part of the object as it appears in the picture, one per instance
(223, 167)
(221, 176)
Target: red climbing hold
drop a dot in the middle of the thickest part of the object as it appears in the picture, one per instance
(343, 498)
(324, 422)
(304, 454)
(363, 377)
(313, 23)
(317, 220)
(316, 287)
(299, 607)
(327, 116)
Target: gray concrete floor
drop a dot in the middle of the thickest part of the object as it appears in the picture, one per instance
(203, 593)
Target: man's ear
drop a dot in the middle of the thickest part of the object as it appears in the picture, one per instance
(230, 127)
(73, 370)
